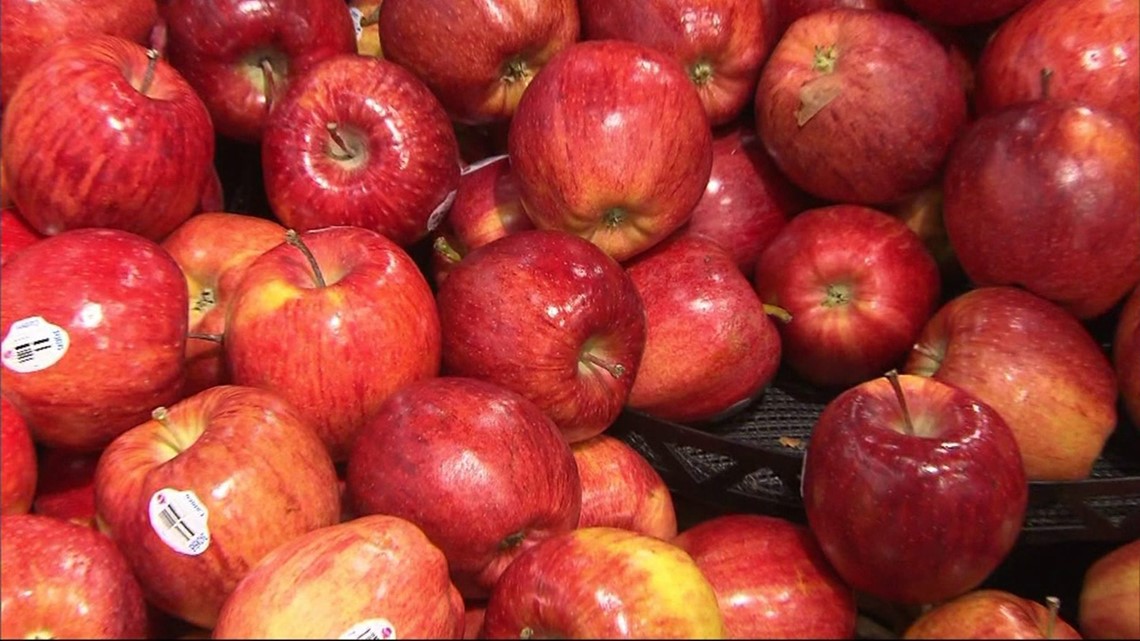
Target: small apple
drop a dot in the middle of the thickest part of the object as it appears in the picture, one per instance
(991, 614)
(621, 489)
(1110, 595)
(17, 461)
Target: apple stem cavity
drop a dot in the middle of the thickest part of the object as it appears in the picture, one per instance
(617, 370)
(148, 75)
(1054, 604)
(824, 58)
(515, 70)
(701, 73)
(837, 295)
(214, 338)
(445, 250)
(294, 239)
(614, 217)
(345, 151)
(1046, 82)
(526, 633)
(270, 87)
(781, 314)
(512, 541)
(893, 377)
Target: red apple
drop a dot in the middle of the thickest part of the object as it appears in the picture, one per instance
(722, 44)
(913, 488)
(771, 578)
(366, 22)
(611, 142)
(406, 590)
(859, 286)
(859, 106)
(922, 212)
(957, 13)
(65, 488)
(603, 583)
(241, 55)
(198, 495)
(1035, 364)
(710, 345)
(214, 249)
(1091, 47)
(360, 141)
(473, 615)
(480, 56)
(747, 200)
(791, 10)
(335, 320)
(1110, 595)
(1126, 355)
(17, 461)
(59, 580)
(550, 316)
(31, 28)
(15, 233)
(1044, 195)
(94, 326)
(480, 469)
(621, 489)
(212, 198)
(990, 614)
(141, 157)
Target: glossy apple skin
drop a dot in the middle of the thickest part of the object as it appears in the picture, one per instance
(480, 469)
(1035, 364)
(64, 581)
(532, 312)
(335, 352)
(874, 128)
(1126, 355)
(1091, 47)
(955, 490)
(611, 143)
(1044, 196)
(1110, 595)
(255, 465)
(957, 13)
(487, 207)
(771, 578)
(621, 489)
(18, 468)
(404, 163)
(219, 45)
(121, 158)
(710, 346)
(15, 233)
(989, 614)
(747, 200)
(721, 44)
(478, 56)
(65, 488)
(121, 299)
(603, 583)
(28, 28)
(859, 286)
(403, 575)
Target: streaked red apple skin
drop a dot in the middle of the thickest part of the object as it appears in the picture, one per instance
(989, 614)
(18, 470)
(15, 233)
(621, 489)
(1126, 355)
(1110, 595)
(66, 485)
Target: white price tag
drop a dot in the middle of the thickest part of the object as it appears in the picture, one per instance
(371, 629)
(179, 519)
(33, 344)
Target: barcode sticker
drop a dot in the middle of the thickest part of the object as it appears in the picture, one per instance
(357, 17)
(371, 629)
(33, 344)
(179, 519)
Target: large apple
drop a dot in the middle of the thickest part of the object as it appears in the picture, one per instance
(621, 489)
(15, 233)
(334, 321)
(859, 286)
(379, 577)
(1126, 355)
(771, 579)
(196, 496)
(550, 316)
(360, 141)
(603, 583)
(1035, 364)
(59, 580)
(990, 614)
(65, 487)
(94, 326)
(859, 106)
(214, 249)
(478, 56)
(914, 488)
(611, 142)
(722, 44)
(480, 469)
(1110, 595)
(241, 55)
(103, 133)
(1090, 46)
(18, 470)
(1044, 195)
(710, 345)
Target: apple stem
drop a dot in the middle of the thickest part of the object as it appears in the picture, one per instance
(345, 152)
(780, 313)
(617, 370)
(270, 86)
(294, 239)
(372, 18)
(148, 76)
(514, 70)
(526, 633)
(512, 541)
(161, 415)
(216, 338)
(1046, 82)
(701, 73)
(1054, 604)
(927, 352)
(893, 377)
(444, 248)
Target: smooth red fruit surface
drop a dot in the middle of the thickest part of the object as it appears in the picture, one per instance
(18, 468)
(990, 614)
(1126, 355)
(65, 487)
(1110, 595)
(621, 489)
(15, 233)
(59, 580)
(957, 13)
(791, 10)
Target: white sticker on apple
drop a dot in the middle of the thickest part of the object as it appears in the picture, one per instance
(33, 344)
(357, 17)
(371, 629)
(179, 519)
(440, 211)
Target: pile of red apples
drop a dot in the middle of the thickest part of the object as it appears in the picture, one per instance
(379, 407)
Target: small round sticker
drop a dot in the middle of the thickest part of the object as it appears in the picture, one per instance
(33, 344)
(371, 629)
(179, 519)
